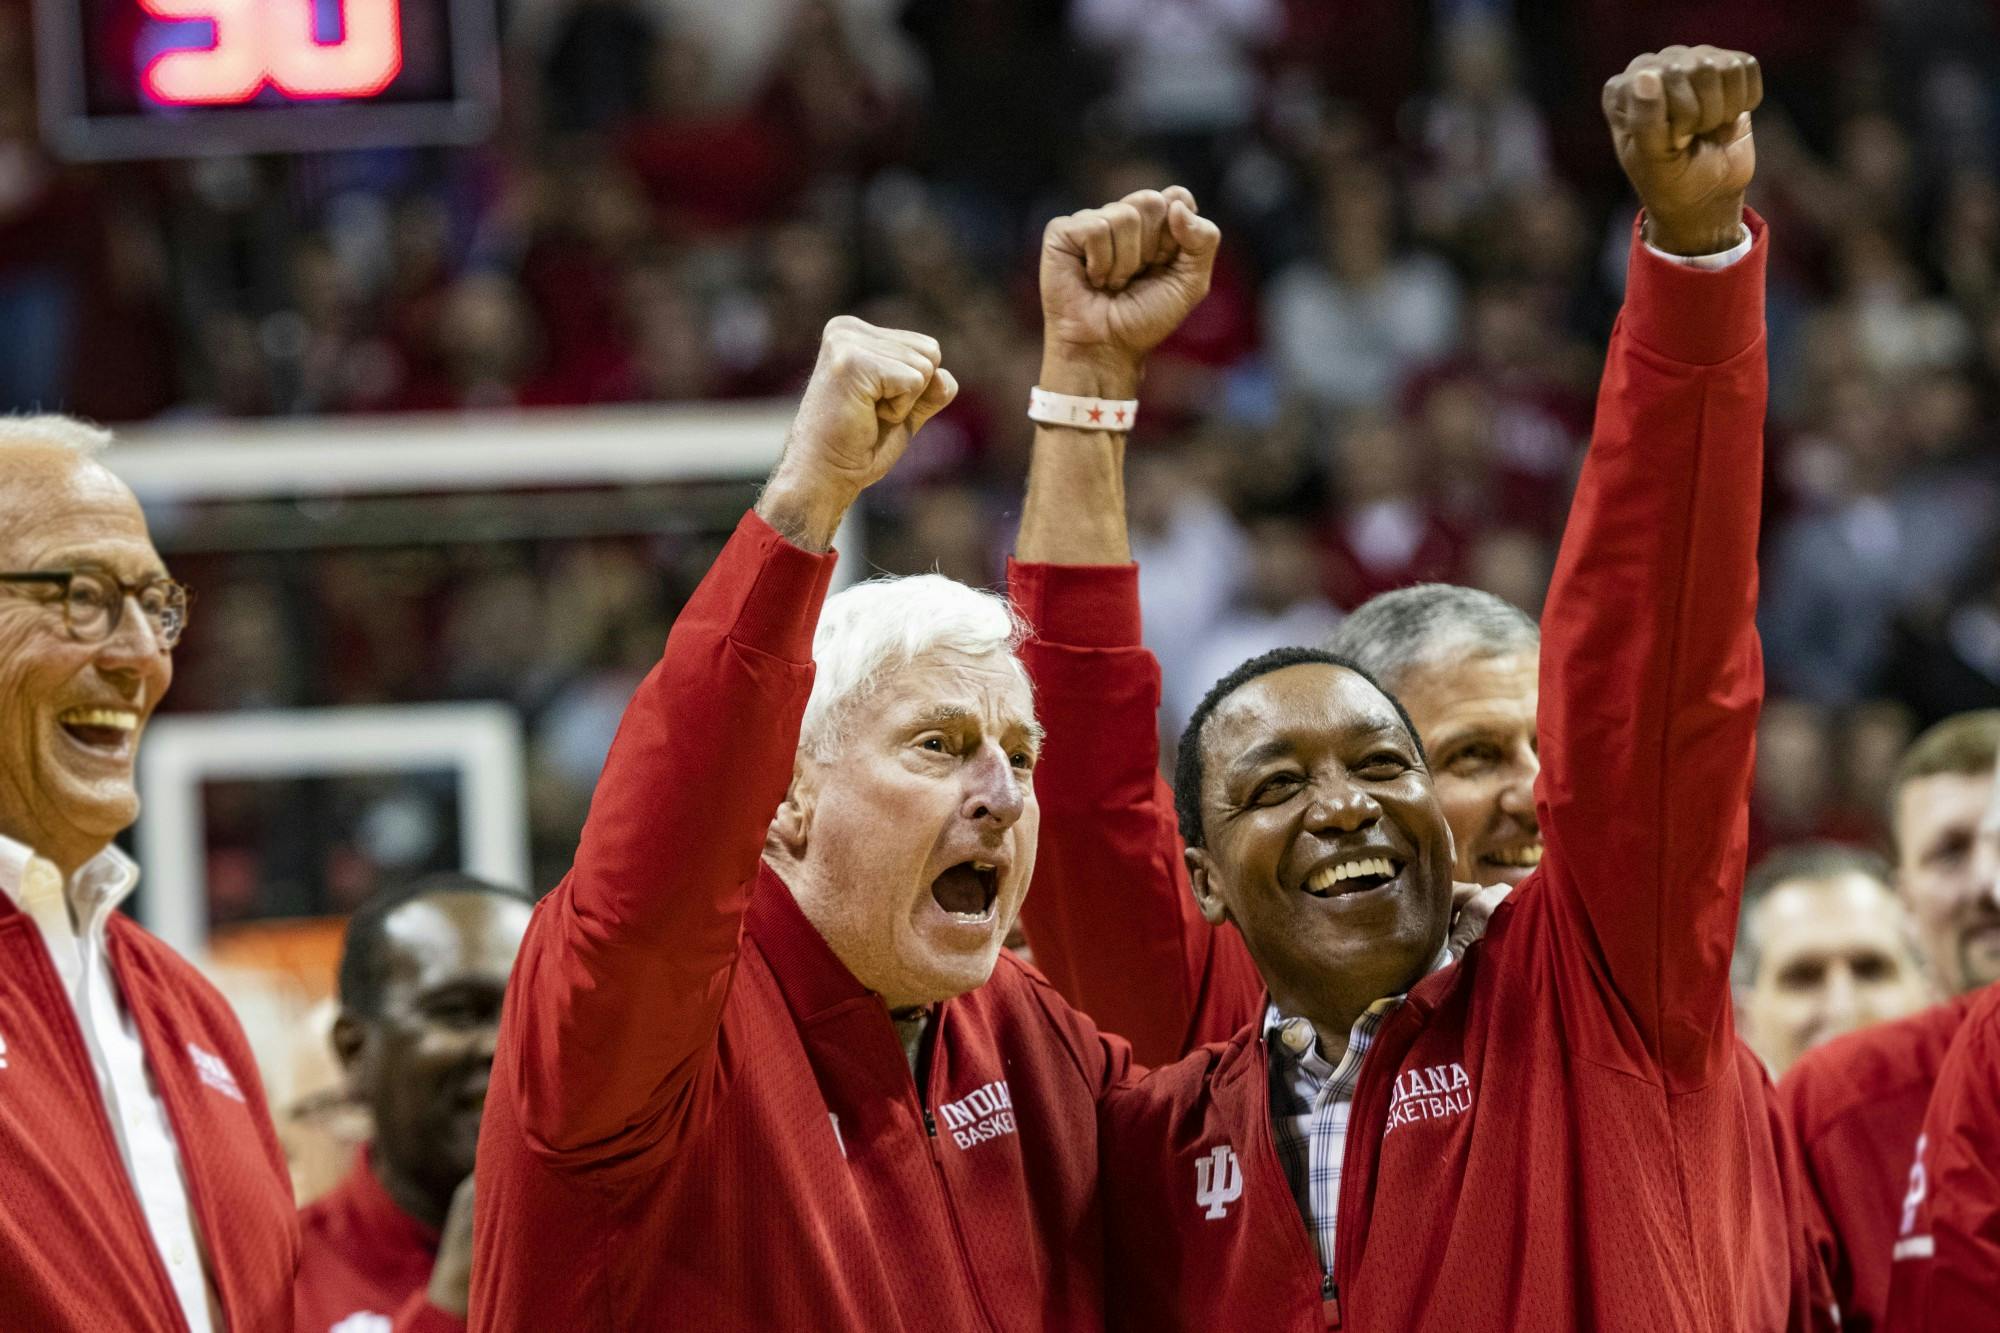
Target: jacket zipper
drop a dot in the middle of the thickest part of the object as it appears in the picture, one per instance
(923, 1096)
(1363, 1122)
(1329, 1290)
(66, 1023)
(177, 1117)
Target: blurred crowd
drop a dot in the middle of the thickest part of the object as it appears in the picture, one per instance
(1391, 381)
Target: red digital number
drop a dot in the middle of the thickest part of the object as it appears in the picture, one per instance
(260, 42)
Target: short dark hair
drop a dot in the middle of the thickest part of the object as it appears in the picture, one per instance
(1789, 865)
(1187, 759)
(364, 963)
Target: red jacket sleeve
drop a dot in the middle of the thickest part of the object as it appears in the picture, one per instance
(1946, 1272)
(1110, 916)
(1651, 671)
(614, 1007)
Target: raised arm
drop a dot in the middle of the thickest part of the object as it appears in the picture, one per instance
(613, 1011)
(1651, 674)
(1110, 916)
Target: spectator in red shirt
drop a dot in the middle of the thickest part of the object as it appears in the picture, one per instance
(1945, 1276)
(1857, 1103)
(1387, 533)
(421, 980)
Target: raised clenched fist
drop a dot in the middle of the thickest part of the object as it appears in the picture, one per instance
(1116, 281)
(871, 390)
(1680, 120)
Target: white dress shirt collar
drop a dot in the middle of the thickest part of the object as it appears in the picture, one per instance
(93, 892)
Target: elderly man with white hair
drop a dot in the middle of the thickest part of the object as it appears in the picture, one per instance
(145, 1189)
(763, 1064)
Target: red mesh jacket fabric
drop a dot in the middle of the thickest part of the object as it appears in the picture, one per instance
(76, 1253)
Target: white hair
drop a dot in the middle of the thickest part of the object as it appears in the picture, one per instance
(872, 630)
(50, 430)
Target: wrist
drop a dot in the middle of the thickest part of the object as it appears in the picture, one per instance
(1091, 373)
(1710, 233)
(805, 514)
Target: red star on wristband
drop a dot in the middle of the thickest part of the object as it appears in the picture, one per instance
(1121, 416)
(1097, 414)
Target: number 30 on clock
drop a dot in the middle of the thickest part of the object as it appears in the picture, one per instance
(275, 43)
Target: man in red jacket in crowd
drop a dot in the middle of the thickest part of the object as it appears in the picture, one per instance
(762, 1063)
(1945, 1274)
(1575, 1079)
(1857, 1103)
(421, 981)
(145, 1189)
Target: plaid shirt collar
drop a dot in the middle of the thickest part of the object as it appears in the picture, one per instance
(1310, 1100)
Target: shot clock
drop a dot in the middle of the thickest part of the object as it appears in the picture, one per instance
(175, 78)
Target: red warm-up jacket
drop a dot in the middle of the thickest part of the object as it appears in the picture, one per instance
(1945, 1271)
(1560, 1131)
(698, 1117)
(76, 1253)
(361, 1257)
(1857, 1105)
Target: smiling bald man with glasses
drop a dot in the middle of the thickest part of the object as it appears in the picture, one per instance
(145, 1189)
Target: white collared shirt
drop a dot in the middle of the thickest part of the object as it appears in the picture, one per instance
(131, 1102)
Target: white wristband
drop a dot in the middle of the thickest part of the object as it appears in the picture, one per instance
(1064, 409)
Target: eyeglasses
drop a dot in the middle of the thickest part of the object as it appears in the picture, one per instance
(93, 602)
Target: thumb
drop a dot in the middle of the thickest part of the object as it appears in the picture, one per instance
(1194, 234)
(937, 395)
(1473, 906)
(1734, 130)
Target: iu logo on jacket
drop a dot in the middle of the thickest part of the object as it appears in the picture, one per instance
(1218, 1182)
